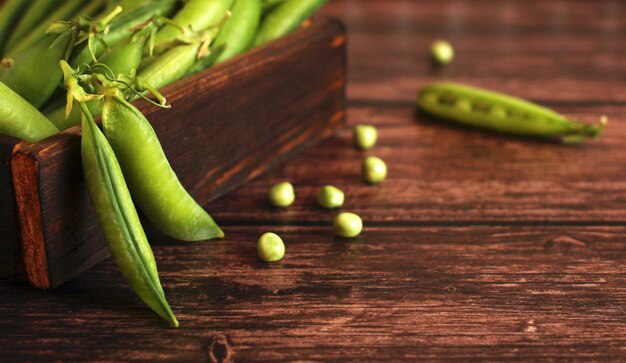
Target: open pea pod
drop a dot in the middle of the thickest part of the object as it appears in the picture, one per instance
(153, 183)
(119, 221)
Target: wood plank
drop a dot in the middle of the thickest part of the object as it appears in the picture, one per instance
(396, 293)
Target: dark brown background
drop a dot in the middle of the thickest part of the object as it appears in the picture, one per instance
(478, 245)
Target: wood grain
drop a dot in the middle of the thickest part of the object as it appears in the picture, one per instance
(477, 247)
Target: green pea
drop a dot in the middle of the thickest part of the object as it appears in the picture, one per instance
(348, 225)
(365, 136)
(282, 195)
(270, 247)
(502, 113)
(330, 197)
(374, 170)
(442, 52)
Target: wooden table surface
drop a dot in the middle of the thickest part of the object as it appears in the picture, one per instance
(477, 246)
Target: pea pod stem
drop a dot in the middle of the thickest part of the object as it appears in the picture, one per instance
(494, 111)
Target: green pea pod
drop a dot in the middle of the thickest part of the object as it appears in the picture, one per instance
(36, 12)
(285, 18)
(63, 12)
(268, 5)
(36, 73)
(119, 220)
(10, 13)
(169, 67)
(239, 30)
(197, 15)
(154, 185)
(502, 113)
(20, 119)
(123, 27)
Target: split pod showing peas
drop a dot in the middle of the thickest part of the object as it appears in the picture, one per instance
(502, 113)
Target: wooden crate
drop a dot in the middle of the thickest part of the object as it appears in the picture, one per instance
(227, 125)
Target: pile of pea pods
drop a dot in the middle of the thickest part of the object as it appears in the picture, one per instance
(66, 62)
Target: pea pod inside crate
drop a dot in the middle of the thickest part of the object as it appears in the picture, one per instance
(498, 112)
